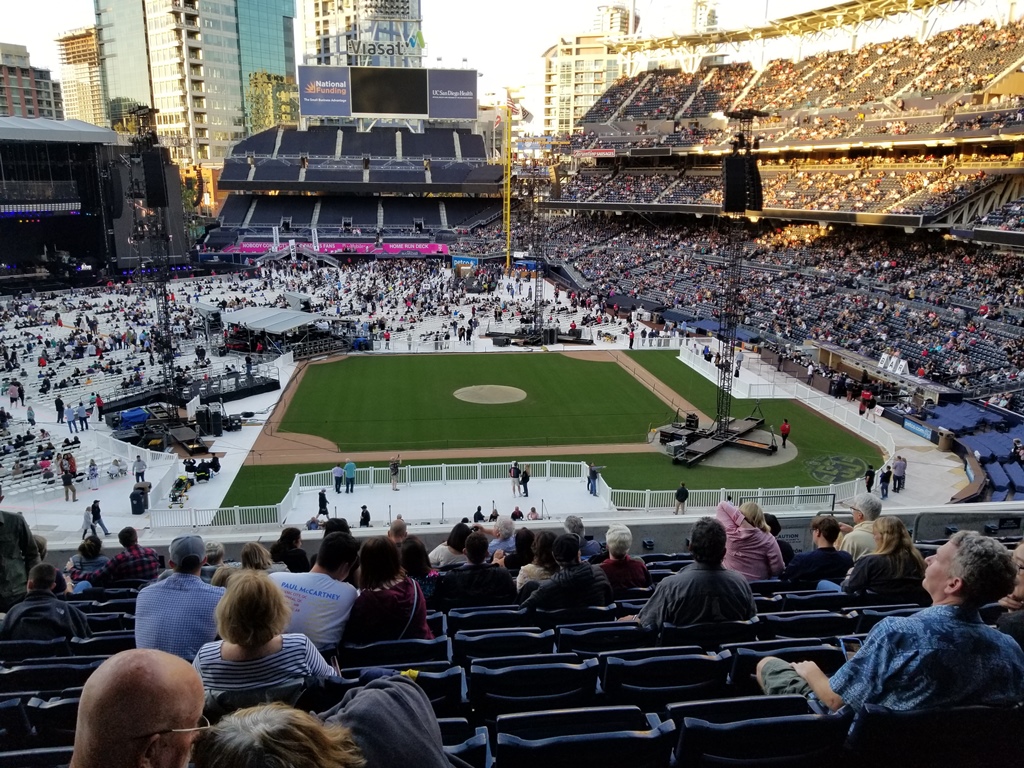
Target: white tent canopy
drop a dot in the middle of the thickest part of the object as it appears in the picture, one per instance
(269, 319)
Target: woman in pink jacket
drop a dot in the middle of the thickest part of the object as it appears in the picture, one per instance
(750, 548)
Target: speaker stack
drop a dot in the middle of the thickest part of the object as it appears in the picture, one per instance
(153, 162)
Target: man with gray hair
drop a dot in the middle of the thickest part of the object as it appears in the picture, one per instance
(859, 539)
(622, 570)
(504, 537)
(942, 656)
(588, 547)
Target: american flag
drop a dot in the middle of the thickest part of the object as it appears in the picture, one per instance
(512, 108)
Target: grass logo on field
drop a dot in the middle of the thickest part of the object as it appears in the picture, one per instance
(835, 469)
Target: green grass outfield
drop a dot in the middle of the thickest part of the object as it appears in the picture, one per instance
(827, 453)
(406, 402)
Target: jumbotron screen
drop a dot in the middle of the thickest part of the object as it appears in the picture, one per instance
(439, 94)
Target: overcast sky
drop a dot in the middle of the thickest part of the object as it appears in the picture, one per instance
(504, 41)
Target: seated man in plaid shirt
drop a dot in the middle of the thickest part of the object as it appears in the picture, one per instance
(134, 562)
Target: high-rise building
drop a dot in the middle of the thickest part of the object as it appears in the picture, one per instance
(369, 33)
(124, 60)
(326, 27)
(27, 91)
(192, 61)
(579, 69)
(80, 76)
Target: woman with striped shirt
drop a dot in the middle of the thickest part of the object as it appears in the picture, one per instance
(251, 617)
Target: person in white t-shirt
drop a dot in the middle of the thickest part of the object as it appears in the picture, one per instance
(321, 600)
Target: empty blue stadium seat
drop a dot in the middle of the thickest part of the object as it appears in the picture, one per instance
(394, 652)
(592, 639)
(549, 619)
(654, 682)
(493, 617)
(471, 644)
(606, 735)
(523, 687)
(782, 742)
(103, 644)
(54, 721)
(17, 650)
(808, 625)
(709, 635)
(53, 757)
(464, 741)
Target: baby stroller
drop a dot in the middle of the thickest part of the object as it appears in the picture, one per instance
(179, 491)
(203, 472)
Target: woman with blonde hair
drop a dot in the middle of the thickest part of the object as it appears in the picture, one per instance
(364, 730)
(894, 568)
(254, 651)
(750, 548)
(257, 557)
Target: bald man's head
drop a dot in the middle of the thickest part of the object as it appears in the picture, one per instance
(129, 707)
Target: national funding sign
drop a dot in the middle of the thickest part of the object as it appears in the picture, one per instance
(445, 94)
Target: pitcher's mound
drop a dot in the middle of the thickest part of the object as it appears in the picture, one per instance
(490, 394)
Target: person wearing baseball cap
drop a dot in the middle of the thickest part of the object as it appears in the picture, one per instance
(575, 585)
(176, 614)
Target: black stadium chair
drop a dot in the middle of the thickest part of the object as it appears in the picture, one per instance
(710, 635)
(960, 736)
(468, 645)
(654, 652)
(105, 622)
(808, 625)
(739, 708)
(45, 677)
(54, 721)
(744, 663)
(586, 640)
(464, 741)
(526, 687)
(103, 644)
(796, 741)
(575, 737)
(54, 757)
(652, 683)
(587, 614)
(388, 652)
(15, 729)
(17, 650)
(490, 617)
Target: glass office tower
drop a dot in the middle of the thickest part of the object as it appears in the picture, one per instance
(123, 58)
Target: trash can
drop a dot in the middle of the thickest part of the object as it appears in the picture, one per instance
(945, 440)
(138, 501)
(144, 488)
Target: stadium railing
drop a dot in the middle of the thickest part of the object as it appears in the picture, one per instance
(782, 499)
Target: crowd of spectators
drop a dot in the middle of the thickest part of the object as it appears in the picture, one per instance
(952, 310)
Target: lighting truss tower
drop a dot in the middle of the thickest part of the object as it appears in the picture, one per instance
(150, 242)
(729, 298)
(537, 251)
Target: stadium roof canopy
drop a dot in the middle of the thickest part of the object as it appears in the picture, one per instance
(270, 319)
(65, 131)
(821, 19)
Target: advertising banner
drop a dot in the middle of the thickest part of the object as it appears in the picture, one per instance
(603, 152)
(325, 91)
(452, 94)
(440, 94)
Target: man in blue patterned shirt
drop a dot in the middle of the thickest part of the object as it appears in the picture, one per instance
(942, 656)
(177, 614)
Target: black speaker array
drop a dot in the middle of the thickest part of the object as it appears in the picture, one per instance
(734, 185)
(113, 192)
(755, 199)
(156, 183)
(741, 184)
